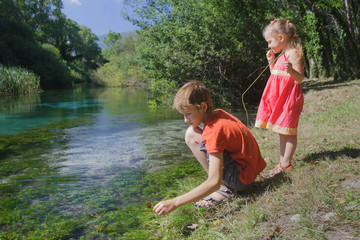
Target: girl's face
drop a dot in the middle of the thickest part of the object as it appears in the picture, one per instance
(275, 43)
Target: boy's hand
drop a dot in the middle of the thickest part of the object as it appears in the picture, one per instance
(164, 207)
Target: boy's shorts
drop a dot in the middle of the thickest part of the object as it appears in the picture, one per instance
(230, 172)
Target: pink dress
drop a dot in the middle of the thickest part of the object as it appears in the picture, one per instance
(281, 103)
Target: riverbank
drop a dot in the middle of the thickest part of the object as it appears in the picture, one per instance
(319, 199)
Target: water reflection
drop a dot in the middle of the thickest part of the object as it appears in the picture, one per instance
(71, 153)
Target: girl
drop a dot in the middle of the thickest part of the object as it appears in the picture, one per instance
(282, 99)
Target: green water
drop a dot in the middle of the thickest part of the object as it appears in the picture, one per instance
(70, 157)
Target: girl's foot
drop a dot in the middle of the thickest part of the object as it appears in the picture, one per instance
(279, 169)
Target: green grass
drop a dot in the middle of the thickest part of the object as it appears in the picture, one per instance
(16, 80)
(314, 201)
(310, 202)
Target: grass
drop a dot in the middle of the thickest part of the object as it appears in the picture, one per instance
(319, 199)
(15, 80)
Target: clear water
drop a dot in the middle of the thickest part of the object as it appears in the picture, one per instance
(118, 133)
(86, 166)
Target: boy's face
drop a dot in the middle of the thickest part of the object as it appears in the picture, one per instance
(194, 116)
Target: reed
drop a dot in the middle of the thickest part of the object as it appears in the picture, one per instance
(16, 81)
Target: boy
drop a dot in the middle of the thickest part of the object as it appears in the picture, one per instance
(224, 147)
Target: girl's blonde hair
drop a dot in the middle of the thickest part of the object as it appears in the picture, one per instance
(288, 30)
(192, 94)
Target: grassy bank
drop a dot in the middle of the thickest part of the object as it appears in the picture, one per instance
(16, 80)
(319, 199)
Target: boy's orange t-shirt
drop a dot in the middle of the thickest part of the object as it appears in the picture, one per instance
(222, 131)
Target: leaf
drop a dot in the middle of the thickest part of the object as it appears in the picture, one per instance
(278, 229)
(149, 205)
(272, 235)
(340, 200)
(216, 222)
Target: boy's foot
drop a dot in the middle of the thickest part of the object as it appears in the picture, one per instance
(279, 169)
(216, 198)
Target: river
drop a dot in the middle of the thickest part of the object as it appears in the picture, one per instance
(73, 152)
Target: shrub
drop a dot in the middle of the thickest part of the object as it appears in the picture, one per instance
(16, 80)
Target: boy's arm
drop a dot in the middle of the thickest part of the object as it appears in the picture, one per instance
(210, 185)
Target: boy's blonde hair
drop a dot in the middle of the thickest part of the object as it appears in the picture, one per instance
(288, 30)
(193, 93)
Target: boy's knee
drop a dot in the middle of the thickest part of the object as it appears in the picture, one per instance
(189, 136)
(193, 135)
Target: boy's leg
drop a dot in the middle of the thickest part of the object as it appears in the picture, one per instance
(231, 182)
(192, 139)
(231, 174)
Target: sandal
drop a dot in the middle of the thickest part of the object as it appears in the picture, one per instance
(279, 169)
(213, 201)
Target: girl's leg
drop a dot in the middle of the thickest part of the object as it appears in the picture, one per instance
(282, 147)
(287, 149)
(192, 139)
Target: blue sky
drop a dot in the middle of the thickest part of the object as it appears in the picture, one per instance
(100, 16)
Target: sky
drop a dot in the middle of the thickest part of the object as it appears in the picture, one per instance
(100, 16)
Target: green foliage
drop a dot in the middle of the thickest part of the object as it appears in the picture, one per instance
(15, 80)
(219, 43)
(330, 33)
(111, 38)
(122, 68)
(36, 35)
(312, 45)
(109, 75)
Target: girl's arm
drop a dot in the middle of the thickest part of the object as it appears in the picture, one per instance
(294, 66)
(210, 185)
(270, 55)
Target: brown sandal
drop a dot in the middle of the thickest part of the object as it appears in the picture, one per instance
(279, 169)
(212, 201)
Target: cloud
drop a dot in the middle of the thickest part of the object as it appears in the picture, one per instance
(77, 2)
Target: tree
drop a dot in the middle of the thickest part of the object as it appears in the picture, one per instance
(36, 35)
(218, 42)
(330, 33)
(40, 15)
(122, 68)
(111, 39)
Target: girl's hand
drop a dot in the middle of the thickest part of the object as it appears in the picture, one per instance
(270, 55)
(288, 67)
(164, 207)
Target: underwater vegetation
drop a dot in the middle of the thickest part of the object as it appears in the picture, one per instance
(38, 200)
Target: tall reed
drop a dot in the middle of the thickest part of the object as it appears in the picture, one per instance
(16, 80)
